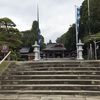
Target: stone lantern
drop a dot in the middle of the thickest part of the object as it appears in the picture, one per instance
(80, 49)
(36, 51)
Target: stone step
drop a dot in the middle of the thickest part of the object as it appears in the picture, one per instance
(52, 65)
(51, 62)
(51, 81)
(44, 65)
(70, 77)
(57, 63)
(49, 71)
(67, 62)
(61, 92)
(47, 66)
(49, 85)
(63, 76)
(54, 68)
(90, 88)
(51, 75)
(52, 72)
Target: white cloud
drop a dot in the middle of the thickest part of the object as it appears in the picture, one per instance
(55, 15)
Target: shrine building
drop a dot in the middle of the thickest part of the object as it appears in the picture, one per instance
(54, 50)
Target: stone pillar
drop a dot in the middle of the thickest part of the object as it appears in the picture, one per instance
(36, 51)
(80, 49)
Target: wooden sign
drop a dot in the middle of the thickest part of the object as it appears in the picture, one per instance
(4, 48)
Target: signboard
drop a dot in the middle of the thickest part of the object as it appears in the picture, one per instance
(4, 48)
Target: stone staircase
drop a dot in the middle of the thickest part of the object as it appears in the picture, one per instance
(49, 77)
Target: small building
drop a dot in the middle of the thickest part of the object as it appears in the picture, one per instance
(54, 50)
(27, 53)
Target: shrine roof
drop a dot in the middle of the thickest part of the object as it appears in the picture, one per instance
(25, 50)
(54, 46)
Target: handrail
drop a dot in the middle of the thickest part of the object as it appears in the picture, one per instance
(5, 57)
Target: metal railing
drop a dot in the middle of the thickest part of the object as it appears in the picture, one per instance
(5, 57)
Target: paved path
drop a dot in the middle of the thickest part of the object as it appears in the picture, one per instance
(47, 97)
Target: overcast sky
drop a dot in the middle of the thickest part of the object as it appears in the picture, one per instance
(55, 16)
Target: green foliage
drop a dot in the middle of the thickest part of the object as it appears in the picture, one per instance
(7, 22)
(92, 25)
(34, 26)
(89, 26)
(9, 35)
(86, 39)
(30, 36)
(69, 38)
(89, 38)
(91, 22)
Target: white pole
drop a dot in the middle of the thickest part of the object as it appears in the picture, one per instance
(76, 31)
(77, 18)
(88, 10)
(76, 26)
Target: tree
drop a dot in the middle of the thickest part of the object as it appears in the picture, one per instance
(10, 36)
(69, 39)
(89, 26)
(30, 36)
(87, 23)
(6, 23)
(92, 22)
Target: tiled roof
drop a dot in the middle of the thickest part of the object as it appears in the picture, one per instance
(25, 50)
(54, 46)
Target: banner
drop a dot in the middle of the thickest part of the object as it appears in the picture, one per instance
(77, 22)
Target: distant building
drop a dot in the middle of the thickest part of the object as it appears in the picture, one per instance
(54, 50)
(27, 53)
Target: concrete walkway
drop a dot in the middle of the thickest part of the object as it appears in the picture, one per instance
(47, 97)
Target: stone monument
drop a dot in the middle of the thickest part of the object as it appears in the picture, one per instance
(36, 51)
(80, 49)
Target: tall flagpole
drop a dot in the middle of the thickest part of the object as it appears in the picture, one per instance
(77, 14)
(76, 31)
(38, 33)
(76, 25)
(38, 26)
